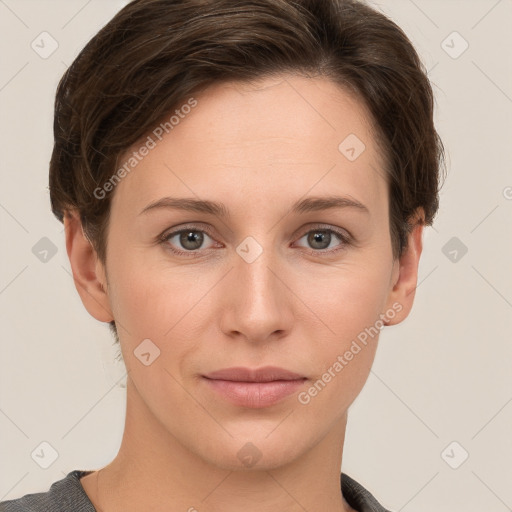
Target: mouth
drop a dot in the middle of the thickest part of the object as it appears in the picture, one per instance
(266, 374)
(254, 388)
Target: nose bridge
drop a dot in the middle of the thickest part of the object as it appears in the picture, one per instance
(258, 297)
(254, 269)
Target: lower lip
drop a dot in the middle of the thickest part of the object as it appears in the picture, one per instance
(255, 395)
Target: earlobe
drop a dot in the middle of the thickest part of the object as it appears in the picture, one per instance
(88, 272)
(401, 296)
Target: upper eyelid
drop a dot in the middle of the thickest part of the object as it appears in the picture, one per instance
(174, 231)
(199, 227)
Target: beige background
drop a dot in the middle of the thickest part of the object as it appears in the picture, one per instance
(442, 376)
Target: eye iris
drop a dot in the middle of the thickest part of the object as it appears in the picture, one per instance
(191, 236)
(321, 237)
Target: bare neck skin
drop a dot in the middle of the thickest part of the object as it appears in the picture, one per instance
(153, 470)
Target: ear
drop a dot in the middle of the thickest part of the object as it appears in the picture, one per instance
(405, 273)
(88, 272)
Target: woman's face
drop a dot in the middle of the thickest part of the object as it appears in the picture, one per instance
(265, 283)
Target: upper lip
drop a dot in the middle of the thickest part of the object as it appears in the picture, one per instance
(265, 374)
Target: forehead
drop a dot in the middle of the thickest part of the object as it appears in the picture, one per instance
(278, 136)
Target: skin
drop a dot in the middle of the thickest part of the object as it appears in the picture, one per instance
(290, 308)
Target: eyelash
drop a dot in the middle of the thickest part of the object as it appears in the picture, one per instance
(345, 239)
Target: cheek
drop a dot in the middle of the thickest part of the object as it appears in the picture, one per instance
(340, 382)
(347, 298)
(344, 327)
(343, 356)
(160, 303)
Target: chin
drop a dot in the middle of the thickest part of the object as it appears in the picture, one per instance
(254, 453)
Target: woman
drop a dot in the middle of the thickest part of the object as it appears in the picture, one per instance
(243, 187)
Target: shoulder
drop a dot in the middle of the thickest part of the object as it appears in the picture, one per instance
(64, 495)
(358, 497)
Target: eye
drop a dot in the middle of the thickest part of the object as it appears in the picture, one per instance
(185, 241)
(189, 241)
(322, 240)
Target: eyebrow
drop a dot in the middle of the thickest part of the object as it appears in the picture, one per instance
(309, 204)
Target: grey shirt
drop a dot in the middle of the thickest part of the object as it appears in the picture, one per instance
(68, 495)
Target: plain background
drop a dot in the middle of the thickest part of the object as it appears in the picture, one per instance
(444, 375)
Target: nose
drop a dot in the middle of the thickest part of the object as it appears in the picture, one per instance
(257, 302)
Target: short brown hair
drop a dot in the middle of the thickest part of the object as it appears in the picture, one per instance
(155, 53)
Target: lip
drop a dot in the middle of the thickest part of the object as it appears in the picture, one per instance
(265, 374)
(254, 388)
